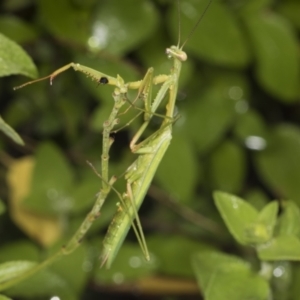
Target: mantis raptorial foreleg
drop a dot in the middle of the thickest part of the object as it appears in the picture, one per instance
(120, 97)
(137, 148)
(95, 75)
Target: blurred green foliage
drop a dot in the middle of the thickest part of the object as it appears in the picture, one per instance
(238, 130)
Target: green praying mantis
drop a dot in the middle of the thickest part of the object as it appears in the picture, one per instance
(150, 151)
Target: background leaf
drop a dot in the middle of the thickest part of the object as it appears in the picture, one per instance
(236, 213)
(278, 163)
(51, 182)
(14, 60)
(283, 247)
(9, 131)
(277, 66)
(228, 167)
(221, 42)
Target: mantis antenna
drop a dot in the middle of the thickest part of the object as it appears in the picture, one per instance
(197, 23)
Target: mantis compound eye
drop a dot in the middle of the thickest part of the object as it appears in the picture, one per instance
(103, 80)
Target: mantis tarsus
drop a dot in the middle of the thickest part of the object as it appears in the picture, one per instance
(150, 151)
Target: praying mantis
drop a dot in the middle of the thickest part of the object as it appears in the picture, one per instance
(150, 151)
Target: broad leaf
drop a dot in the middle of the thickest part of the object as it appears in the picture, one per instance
(14, 60)
(9, 131)
(289, 220)
(237, 214)
(283, 247)
(277, 61)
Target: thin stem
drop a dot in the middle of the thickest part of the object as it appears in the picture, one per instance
(185, 212)
(106, 186)
(32, 271)
(76, 239)
(108, 125)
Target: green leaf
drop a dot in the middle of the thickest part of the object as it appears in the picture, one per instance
(181, 255)
(219, 40)
(83, 194)
(262, 230)
(68, 268)
(246, 226)
(289, 220)
(223, 276)
(71, 23)
(251, 124)
(42, 284)
(12, 269)
(237, 285)
(268, 215)
(207, 263)
(117, 29)
(19, 250)
(277, 61)
(102, 31)
(180, 159)
(14, 60)
(207, 120)
(9, 131)
(19, 111)
(227, 167)
(278, 165)
(237, 214)
(283, 247)
(51, 182)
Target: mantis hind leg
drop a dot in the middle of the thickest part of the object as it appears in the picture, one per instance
(138, 228)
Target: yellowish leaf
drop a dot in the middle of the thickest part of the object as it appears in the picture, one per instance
(44, 229)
